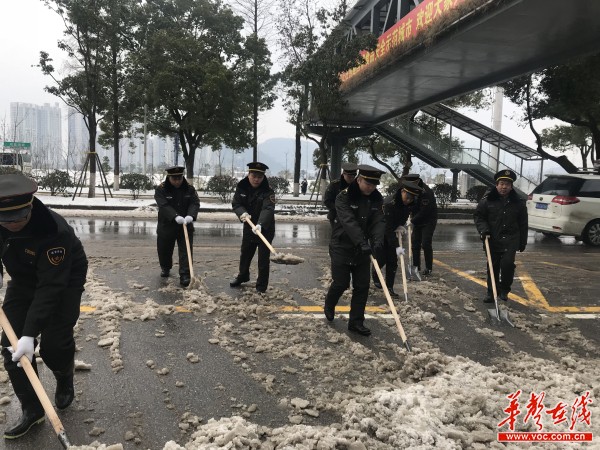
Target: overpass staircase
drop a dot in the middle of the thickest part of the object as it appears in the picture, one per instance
(476, 162)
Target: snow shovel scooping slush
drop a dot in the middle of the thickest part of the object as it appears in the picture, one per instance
(193, 281)
(277, 258)
(496, 314)
(390, 303)
(35, 382)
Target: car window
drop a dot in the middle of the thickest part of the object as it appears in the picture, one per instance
(559, 186)
(590, 188)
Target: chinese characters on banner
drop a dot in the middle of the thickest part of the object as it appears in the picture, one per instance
(407, 27)
(536, 412)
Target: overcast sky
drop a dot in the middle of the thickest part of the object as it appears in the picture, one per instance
(27, 27)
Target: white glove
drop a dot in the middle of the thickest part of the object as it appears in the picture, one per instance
(180, 220)
(188, 219)
(244, 216)
(24, 348)
(401, 229)
(399, 251)
(1, 281)
(257, 229)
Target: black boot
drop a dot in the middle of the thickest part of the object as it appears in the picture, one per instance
(164, 273)
(65, 391)
(184, 280)
(237, 281)
(31, 416)
(32, 410)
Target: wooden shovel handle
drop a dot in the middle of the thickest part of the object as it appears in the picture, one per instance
(260, 235)
(389, 300)
(189, 253)
(404, 286)
(490, 265)
(33, 378)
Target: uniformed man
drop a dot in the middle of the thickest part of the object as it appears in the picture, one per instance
(424, 221)
(357, 233)
(178, 204)
(396, 209)
(47, 267)
(336, 186)
(254, 199)
(502, 215)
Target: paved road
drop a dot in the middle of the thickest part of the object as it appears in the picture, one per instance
(145, 389)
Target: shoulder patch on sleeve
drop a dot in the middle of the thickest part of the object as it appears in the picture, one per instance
(425, 202)
(273, 199)
(56, 255)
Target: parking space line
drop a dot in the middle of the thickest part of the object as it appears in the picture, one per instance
(562, 266)
(537, 299)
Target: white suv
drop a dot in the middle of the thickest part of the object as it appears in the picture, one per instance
(567, 205)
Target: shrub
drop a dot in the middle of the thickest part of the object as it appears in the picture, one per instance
(443, 194)
(135, 182)
(8, 170)
(392, 188)
(280, 186)
(222, 186)
(475, 193)
(56, 182)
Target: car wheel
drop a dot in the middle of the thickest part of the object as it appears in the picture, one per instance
(591, 234)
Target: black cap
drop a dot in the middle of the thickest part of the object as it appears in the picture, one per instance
(16, 196)
(411, 187)
(414, 177)
(175, 171)
(369, 173)
(257, 167)
(506, 174)
(349, 168)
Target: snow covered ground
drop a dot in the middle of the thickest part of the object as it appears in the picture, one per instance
(386, 397)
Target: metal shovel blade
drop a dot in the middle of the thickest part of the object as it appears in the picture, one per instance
(415, 271)
(499, 315)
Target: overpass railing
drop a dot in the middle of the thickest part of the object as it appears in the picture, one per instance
(475, 161)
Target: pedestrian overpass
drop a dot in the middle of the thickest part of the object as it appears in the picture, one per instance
(432, 50)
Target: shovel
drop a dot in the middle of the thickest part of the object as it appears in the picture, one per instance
(402, 267)
(193, 280)
(35, 382)
(277, 258)
(391, 303)
(497, 314)
(412, 270)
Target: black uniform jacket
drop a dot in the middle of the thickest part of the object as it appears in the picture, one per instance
(396, 214)
(332, 191)
(175, 202)
(259, 203)
(427, 211)
(505, 221)
(359, 218)
(45, 256)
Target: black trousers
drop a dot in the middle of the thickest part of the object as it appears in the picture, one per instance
(422, 238)
(57, 345)
(504, 271)
(341, 274)
(251, 242)
(167, 235)
(388, 260)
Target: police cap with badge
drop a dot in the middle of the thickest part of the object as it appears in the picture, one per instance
(16, 197)
(175, 171)
(369, 173)
(349, 168)
(415, 177)
(507, 175)
(257, 167)
(411, 187)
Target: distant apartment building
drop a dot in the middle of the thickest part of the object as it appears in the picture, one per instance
(41, 126)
